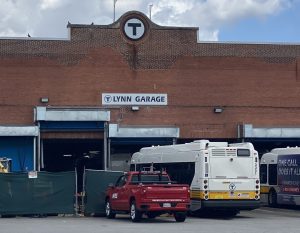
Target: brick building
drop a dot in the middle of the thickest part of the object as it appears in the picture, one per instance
(108, 90)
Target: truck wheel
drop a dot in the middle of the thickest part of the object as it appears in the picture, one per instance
(135, 214)
(108, 211)
(272, 198)
(180, 217)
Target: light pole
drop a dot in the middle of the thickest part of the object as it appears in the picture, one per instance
(115, 1)
(150, 8)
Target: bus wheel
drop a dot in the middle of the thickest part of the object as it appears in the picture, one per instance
(272, 198)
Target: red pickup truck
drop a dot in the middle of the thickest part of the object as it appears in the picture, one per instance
(149, 193)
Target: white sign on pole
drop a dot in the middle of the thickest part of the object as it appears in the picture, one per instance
(134, 99)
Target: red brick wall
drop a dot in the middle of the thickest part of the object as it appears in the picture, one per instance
(256, 84)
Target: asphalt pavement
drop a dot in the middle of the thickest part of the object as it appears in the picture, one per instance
(263, 220)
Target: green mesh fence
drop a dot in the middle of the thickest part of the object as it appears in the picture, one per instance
(96, 183)
(49, 193)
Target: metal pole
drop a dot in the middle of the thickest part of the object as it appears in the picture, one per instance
(83, 191)
(108, 154)
(42, 165)
(76, 192)
(38, 166)
(105, 146)
(114, 9)
(174, 141)
(150, 8)
(34, 154)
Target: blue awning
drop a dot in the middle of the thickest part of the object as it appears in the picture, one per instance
(71, 126)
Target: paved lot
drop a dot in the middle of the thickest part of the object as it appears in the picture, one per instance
(263, 220)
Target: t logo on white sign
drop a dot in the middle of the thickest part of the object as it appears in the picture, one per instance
(134, 28)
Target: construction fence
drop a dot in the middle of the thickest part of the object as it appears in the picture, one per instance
(53, 193)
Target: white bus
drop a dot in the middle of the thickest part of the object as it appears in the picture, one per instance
(280, 176)
(221, 176)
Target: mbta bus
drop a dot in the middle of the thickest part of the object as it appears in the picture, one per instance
(221, 176)
(280, 176)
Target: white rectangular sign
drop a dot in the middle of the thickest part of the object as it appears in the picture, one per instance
(134, 99)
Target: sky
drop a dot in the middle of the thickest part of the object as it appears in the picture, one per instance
(252, 21)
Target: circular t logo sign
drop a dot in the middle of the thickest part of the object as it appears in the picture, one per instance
(134, 28)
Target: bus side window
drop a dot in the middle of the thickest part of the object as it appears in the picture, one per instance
(182, 173)
(263, 173)
(272, 174)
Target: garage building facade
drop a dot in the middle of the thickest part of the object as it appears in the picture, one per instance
(109, 90)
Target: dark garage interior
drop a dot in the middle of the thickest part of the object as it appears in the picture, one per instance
(65, 154)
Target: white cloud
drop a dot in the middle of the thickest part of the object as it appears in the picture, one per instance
(211, 15)
(208, 35)
(17, 18)
(51, 4)
(48, 18)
